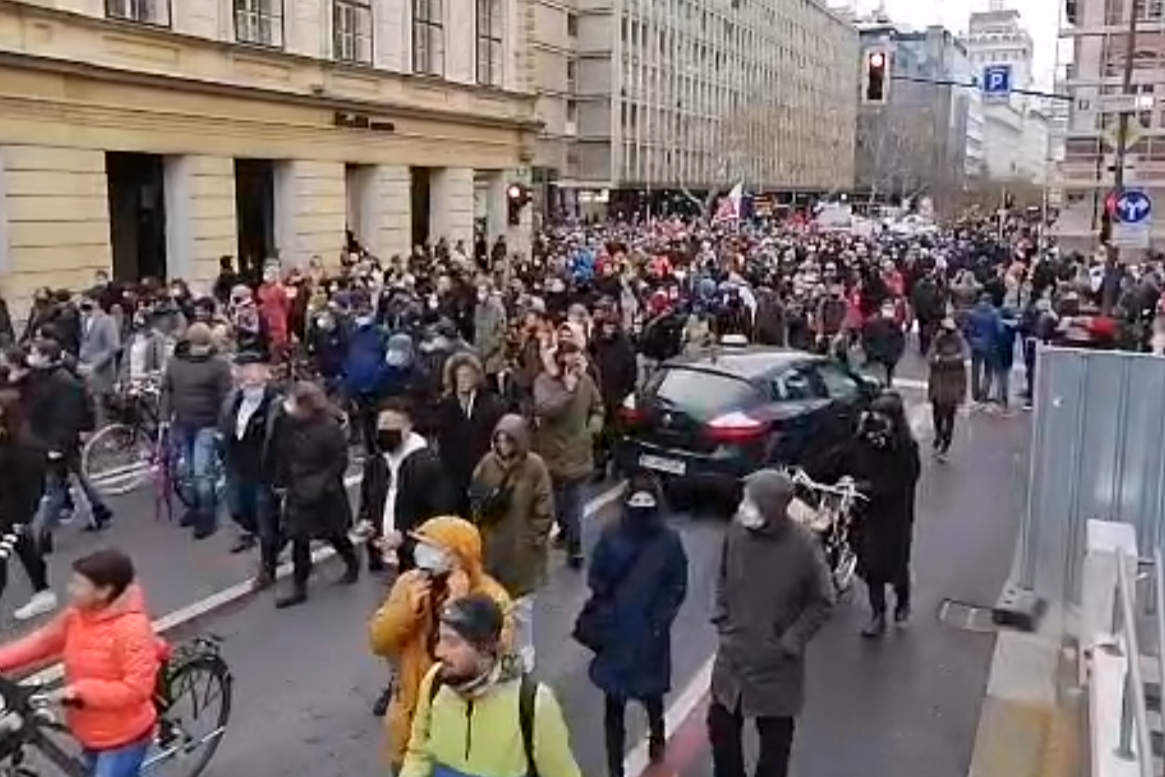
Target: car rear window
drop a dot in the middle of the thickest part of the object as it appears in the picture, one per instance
(703, 393)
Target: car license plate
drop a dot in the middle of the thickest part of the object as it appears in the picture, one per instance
(662, 464)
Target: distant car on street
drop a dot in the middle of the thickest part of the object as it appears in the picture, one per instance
(723, 416)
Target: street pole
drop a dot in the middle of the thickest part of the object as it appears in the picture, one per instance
(1123, 120)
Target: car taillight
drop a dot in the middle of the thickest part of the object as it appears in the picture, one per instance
(735, 427)
(629, 412)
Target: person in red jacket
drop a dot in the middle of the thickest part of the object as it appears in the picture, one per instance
(111, 658)
(275, 308)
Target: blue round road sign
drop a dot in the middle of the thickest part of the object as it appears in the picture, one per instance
(1133, 207)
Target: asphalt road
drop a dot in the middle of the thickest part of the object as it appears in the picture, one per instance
(304, 681)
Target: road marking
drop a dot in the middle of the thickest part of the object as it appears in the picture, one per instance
(910, 383)
(678, 711)
(238, 591)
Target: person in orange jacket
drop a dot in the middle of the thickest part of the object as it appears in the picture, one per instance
(449, 565)
(111, 656)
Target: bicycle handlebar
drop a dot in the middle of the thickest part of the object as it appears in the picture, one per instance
(846, 487)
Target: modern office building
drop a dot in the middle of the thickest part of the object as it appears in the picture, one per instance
(927, 138)
(648, 101)
(1016, 126)
(1097, 31)
(151, 137)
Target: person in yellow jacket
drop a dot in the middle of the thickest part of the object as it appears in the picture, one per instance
(449, 566)
(478, 715)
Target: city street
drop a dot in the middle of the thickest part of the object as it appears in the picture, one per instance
(305, 682)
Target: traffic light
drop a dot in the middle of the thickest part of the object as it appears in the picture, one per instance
(517, 197)
(877, 78)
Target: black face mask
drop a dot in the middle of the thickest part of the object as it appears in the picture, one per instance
(389, 439)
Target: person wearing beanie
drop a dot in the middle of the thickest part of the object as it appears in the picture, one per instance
(759, 670)
(638, 579)
(448, 556)
(478, 714)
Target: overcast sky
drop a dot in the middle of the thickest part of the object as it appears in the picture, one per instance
(1038, 16)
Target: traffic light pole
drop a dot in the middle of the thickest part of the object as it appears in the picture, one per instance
(1122, 141)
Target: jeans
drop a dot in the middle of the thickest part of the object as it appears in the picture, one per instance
(523, 615)
(568, 503)
(1029, 363)
(58, 500)
(253, 508)
(198, 451)
(776, 742)
(981, 370)
(613, 720)
(944, 426)
(1003, 381)
(124, 761)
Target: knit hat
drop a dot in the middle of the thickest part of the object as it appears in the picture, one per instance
(476, 618)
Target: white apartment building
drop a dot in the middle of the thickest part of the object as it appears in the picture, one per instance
(1015, 130)
(641, 98)
(1097, 31)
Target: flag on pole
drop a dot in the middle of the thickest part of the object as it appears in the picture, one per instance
(729, 208)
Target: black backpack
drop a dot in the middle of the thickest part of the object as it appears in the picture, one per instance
(527, 694)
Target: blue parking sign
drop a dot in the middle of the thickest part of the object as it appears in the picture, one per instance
(997, 80)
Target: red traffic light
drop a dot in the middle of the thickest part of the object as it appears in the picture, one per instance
(877, 59)
(514, 192)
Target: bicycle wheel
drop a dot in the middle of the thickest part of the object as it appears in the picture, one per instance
(117, 459)
(197, 706)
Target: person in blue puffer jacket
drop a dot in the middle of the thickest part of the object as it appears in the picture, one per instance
(365, 371)
(983, 332)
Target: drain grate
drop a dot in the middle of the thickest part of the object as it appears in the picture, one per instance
(966, 617)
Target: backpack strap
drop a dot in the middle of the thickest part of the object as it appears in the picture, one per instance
(527, 696)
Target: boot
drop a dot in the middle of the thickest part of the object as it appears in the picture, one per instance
(876, 627)
(902, 613)
(264, 580)
(297, 597)
(656, 748)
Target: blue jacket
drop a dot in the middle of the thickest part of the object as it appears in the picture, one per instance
(1005, 344)
(364, 369)
(983, 329)
(640, 571)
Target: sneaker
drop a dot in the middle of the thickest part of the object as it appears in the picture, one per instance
(876, 627)
(41, 602)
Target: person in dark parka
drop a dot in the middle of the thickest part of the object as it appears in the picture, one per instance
(883, 459)
(773, 592)
(465, 421)
(640, 571)
(313, 457)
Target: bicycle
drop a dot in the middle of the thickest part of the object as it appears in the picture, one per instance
(118, 457)
(830, 519)
(27, 718)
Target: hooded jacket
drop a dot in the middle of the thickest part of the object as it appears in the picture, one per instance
(773, 592)
(516, 542)
(567, 423)
(407, 636)
(111, 658)
(194, 387)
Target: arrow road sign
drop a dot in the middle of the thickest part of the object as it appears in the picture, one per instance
(1133, 207)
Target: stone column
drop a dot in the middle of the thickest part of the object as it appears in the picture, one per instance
(201, 223)
(451, 205)
(310, 211)
(385, 204)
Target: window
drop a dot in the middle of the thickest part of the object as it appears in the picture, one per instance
(428, 38)
(798, 385)
(352, 30)
(259, 21)
(144, 11)
(572, 25)
(838, 382)
(699, 393)
(571, 74)
(489, 42)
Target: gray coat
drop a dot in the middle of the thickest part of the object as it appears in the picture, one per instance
(773, 593)
(100, 343)
(489, 334)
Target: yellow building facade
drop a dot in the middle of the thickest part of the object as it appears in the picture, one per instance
(152, 137)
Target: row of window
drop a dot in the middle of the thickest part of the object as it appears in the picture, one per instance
(260, 23)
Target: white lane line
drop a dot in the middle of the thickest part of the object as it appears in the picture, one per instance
(678, 711)
(226, 596)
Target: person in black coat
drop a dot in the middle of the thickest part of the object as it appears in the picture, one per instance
(638, 577)
(883, 460)
(403, 486)
(313, 457)
(618, 369)
(465, 418)
(23, 464)
(884, 341)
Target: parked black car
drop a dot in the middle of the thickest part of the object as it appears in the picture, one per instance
(724, 416)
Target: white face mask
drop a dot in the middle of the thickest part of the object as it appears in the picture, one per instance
(363, 320)
(288, 407)
(432, 559)
(749, 515)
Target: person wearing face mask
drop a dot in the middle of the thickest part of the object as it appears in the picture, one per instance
(884, 341)
(773, 592)
(465, 418)
(327, 344)
(146, 349)
(310, 462)
(405, 628)
(883, 460)
(365, 370)
(489, 331)
(638, 579)
(618, 369)
(947, 384)
(247, 427)
(195, 385)
(97, 359)
(275, 309)
(513, 506)
(403, 485)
